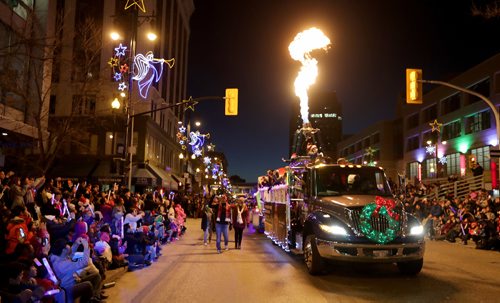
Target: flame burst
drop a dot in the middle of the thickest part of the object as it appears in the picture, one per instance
(300, 49)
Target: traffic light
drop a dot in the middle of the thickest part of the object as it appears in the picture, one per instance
(413, 86)
(231, 101)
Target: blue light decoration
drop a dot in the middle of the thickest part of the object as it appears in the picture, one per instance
(197, 141)
(443, 160)
(149, 69)
(120, 51)
(117, 76)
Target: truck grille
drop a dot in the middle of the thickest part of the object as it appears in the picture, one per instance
(380, 224)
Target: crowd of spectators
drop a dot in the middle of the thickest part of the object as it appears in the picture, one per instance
(475, 217)
(59, 238)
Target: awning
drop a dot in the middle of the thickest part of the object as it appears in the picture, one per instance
(143, 176)
(166, 180)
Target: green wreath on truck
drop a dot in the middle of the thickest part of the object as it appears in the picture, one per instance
(381, 207)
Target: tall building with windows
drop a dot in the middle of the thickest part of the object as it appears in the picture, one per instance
(100, 138)
(23, 101)
(325, 113)
(442, 135)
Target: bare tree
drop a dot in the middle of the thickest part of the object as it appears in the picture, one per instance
(30, 64)
(487, 9)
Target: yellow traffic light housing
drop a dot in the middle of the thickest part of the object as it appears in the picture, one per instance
(231, 101)
(413, 86)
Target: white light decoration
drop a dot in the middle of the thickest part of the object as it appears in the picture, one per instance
(430, 149)
(120, 50)
(122, 86)
(144, 64)
(443, 160)
(207, 160)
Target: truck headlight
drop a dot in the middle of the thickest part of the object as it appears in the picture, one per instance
(334, 229)
(416, 230)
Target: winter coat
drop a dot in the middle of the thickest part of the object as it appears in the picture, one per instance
(16, 195)
(65, 268)
(244, 216)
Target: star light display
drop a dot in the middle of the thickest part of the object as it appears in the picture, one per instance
(149, 69)
(120, 51)
(122, 86)
(436, 126)
(207, 160)
(138, 3)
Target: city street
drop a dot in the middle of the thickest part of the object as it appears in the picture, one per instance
(188, 271)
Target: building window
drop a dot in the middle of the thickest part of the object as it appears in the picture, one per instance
(412, 121)
(451, 130)
(482, 155)
(478, 122)
(453, 164)
(430, 168)
(412, 143)
(413, 171)
(450, 104)
(497, 83)
(366, 142)
(84, 104)
(429, 114)
(52, 105)
(482, 87)
(429, 136)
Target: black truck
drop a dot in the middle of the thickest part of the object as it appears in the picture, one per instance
(341, 212)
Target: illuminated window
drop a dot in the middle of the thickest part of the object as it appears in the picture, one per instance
(413, 171)
(482, 155)
(451, 130)
(453, 164)
(478, 122)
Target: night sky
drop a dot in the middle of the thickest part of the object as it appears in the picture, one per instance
(244, 44)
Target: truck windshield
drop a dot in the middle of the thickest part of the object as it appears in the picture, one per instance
(337, 180)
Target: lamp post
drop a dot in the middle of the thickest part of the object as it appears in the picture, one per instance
(115, 105)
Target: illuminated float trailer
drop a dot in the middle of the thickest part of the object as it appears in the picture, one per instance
(340, 212)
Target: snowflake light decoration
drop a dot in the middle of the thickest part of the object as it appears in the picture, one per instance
(443, 160)
(430, 149)
(207, 160)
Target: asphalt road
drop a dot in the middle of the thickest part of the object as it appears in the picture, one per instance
(188, 271)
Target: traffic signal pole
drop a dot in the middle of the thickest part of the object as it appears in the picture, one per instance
(488, 101)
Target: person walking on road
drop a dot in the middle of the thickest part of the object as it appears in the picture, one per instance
(222, 210)
(239, 220)
(206, 224)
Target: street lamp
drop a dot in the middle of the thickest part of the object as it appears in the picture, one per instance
(115, 105)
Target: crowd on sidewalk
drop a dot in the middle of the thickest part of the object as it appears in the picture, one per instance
(475, 217)
(58, 238)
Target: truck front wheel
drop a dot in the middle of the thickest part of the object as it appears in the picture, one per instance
(314, 262)
(410, 268)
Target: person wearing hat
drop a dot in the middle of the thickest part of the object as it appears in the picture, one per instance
(65, 264)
